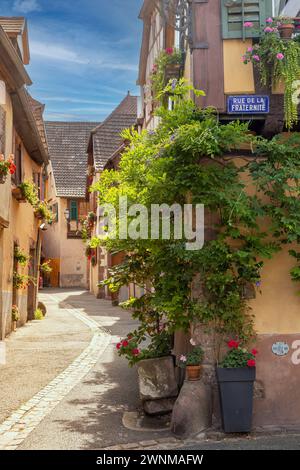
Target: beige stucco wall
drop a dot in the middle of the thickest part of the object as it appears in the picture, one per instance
(238, 77)
(70, 252)
(5, 188)
(22, 230)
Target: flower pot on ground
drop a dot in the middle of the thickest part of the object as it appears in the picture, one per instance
(236, 377)
(192, 362)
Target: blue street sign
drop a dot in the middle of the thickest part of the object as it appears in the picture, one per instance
(248, 104)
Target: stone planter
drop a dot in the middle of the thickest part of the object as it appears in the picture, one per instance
(236, 398)
(157, 383)
(286, 31)
(193, 373)
(2, 178)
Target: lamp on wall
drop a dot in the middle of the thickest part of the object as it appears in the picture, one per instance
(179, 15)
(67, 214)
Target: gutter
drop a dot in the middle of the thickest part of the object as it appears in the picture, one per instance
(14, 69)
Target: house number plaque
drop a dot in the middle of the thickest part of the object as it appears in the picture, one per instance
(280, 349)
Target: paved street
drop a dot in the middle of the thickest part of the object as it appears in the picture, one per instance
(88, 387)
(79, 389)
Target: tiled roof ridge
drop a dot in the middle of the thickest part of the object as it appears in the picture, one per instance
(116, 111)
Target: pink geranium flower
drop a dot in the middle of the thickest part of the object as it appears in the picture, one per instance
(280, 56)
(183, 358)
(169, 50)
(269, 20)
(250, 49)
(268, 29)
(256, 57)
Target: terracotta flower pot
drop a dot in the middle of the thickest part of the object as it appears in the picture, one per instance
(286, 31)
(2, 178)
(193, 373)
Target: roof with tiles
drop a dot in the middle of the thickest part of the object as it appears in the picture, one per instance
(106, 139)
(67, 142)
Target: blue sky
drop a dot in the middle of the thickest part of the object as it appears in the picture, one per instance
(84, 54)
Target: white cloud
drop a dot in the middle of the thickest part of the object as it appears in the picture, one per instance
(60, 53)
(56, 52)
(26, 6)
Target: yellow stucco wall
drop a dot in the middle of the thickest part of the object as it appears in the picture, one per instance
(238, 77)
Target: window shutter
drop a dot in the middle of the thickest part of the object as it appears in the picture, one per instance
(236, 12)
(73, 210)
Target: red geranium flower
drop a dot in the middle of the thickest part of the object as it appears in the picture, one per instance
(125, 343)
(254, 352)
(129, 336)
(233, 344)
(169, 50)
(251, 363)
(119, 346)
(135, 352)
(12, 168)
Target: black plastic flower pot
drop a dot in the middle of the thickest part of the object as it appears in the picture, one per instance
(236, 398)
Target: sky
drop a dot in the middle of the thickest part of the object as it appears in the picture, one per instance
(84, 54)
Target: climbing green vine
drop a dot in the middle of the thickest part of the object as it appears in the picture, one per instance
(183, 161)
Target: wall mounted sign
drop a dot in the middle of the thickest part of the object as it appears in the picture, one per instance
(280, 349)
(248, 104)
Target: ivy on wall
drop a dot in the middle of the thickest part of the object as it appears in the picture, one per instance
(183, 161)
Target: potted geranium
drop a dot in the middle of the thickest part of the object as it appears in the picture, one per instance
(286, 27)
(192, 362)
(6, 167)
(236, 376)
(15, 316)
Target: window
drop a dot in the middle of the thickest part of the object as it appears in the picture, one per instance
(17, 177)
(73, 210)
(236, 12)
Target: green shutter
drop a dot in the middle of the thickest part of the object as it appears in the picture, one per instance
(236, 12)
(73, 210)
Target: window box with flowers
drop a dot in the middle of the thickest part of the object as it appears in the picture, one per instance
(168, 66)
(42, 212)
(236, 376)
(6, 167)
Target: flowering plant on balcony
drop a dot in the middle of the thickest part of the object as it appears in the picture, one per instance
(22, 281)
(159, 78)
(278, 61)
(20, 257)
(6, 167)
(43, 212)
(237, 356)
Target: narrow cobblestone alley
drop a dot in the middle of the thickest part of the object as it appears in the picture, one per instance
(79, 388)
